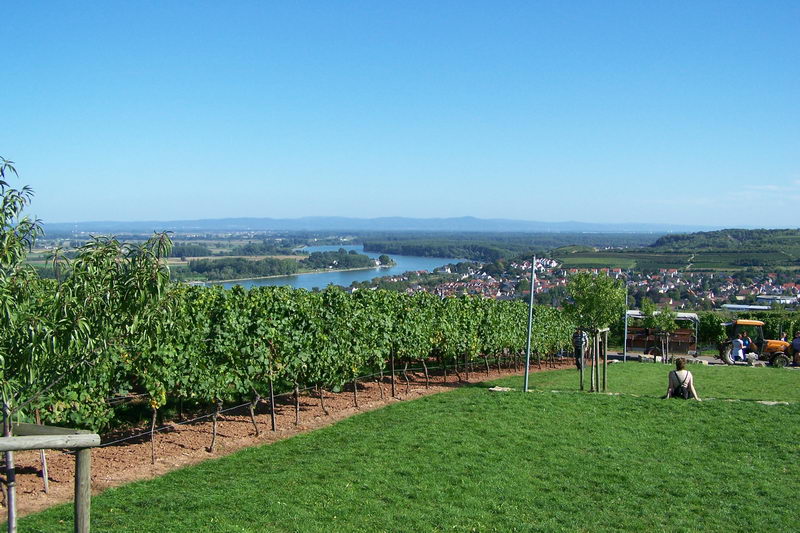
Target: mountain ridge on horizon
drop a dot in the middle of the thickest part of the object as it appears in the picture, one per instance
(400, 224)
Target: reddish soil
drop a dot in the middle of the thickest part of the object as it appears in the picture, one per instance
(185, 444)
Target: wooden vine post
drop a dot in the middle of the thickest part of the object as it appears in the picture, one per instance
(38, 437)
(599, 346)
(272, 405)
(391, 362)
(580, 341)
(596, 360)
(604, 351)
(594, 341)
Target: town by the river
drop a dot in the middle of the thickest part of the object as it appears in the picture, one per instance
(403, 263)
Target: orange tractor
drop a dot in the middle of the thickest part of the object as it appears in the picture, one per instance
(774, 351)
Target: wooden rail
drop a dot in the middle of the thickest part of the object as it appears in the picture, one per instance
(36, 437)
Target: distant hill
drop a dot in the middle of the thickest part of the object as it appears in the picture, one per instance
(724, 250)
(731, 240)
(457, 224)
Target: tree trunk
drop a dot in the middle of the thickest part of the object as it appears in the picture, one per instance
(214, 426)
(380, 384)
(444, 370)
(466, 365)
(321, 392)
(43, 460)
(153, 437)
(455, 369)
(486, 360)
(253, 406)
(272, 405)
(405, 376)
(355, 392)
(427, 377)
(296, 404)
(499, 369)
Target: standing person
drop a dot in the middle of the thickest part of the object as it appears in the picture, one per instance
(737, 348)
(746, 343)
(796, 347)
(681, 382)
(580, 340)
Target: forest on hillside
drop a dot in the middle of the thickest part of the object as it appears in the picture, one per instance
(730, 239)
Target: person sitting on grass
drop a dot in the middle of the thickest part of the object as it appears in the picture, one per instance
(681, 382)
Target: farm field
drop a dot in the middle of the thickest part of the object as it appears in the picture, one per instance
(474, 460)
(623, 259)
(699, 261)
(741, 259)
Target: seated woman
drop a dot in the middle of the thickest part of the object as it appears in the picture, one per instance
(681, 382)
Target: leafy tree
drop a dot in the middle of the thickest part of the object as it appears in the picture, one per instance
(597, 301)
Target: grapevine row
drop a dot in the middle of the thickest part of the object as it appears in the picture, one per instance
(173, 343)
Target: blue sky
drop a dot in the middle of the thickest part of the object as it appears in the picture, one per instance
(613, 111)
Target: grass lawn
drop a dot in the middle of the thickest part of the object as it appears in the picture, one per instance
(650, 379)
(473, 460)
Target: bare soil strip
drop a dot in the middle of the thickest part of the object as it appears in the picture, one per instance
(183, 445)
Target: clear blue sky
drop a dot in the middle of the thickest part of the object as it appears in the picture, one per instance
(612, 111)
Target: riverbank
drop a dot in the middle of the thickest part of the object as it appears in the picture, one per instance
(343, 278)
(300, 273)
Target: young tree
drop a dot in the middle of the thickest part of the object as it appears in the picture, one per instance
(665, 324)
(597, 301)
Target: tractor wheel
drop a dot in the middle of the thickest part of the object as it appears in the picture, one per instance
(655, 352)
(779, 360)
(726, 356)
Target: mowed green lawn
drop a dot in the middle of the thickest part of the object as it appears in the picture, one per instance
(475, 460)
(650, 379)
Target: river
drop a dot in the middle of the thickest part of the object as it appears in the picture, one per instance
(403, 263)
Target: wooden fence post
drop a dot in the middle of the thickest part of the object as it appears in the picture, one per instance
(83, 489)
(605, 360)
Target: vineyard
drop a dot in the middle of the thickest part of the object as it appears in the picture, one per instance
(136, 335)
(111, 332)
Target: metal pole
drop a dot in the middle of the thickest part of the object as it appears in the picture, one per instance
(530, 326)
(625, 336)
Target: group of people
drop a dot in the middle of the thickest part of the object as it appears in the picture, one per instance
(681, 381)
(741, 346)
